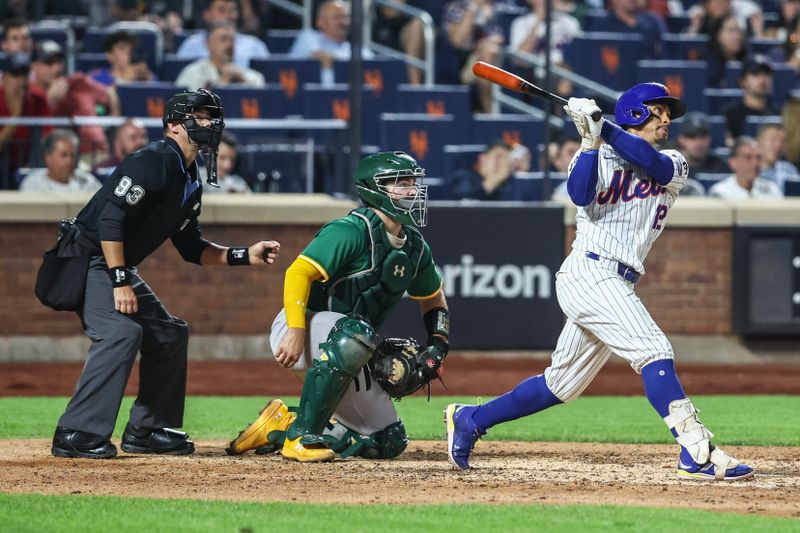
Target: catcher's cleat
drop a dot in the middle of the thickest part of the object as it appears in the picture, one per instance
(81, 445)
(462, 434)
(273, 420)
(720, 467)
(307, 449)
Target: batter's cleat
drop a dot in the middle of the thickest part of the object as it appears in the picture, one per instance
(720, 467)
(267, 431)
(462, 434)
(307, 449)
(160, 441)
(81, 445)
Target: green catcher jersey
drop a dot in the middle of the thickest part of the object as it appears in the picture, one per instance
(363, 273)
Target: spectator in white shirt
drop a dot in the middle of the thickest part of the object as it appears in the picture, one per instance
(61, 175)
(329, 42)
(528, 31)
(219, 69)
(247, 47)
(771, 141)
(745, 182)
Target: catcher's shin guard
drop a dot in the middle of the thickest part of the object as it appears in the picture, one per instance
(269, 428)
(349, 346)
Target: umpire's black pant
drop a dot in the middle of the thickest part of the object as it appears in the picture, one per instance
(116, 339)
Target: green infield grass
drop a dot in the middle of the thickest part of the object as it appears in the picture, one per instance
(35, 513)
(628, 419)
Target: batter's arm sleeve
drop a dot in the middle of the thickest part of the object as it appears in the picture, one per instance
(639, 152)
(296, 289)
(190, 243)
(582, 177)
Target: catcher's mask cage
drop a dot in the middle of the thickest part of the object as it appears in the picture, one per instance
(182, 108)
(377, 178)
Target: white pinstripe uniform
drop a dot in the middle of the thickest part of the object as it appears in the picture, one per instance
(604, 315)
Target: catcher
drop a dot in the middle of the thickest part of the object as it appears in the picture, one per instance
(336, 295)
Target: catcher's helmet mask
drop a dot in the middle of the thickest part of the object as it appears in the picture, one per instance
(379, 175)
(182, 108)
(632, 108)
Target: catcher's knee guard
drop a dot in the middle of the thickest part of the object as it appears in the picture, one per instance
(388, 443)
(349, 346)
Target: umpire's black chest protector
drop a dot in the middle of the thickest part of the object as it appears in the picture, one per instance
(161, 182)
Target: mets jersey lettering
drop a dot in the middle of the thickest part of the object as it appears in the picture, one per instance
(620, 188)
(629, 210)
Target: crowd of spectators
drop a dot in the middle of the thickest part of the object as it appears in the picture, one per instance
(222, 38)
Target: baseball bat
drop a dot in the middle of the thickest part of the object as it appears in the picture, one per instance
(510, 81)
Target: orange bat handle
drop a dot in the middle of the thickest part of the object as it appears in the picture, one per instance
(510, 81)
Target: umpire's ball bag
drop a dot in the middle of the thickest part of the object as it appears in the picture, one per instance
(61, 281)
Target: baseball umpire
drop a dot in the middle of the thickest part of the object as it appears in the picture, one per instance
(336, 296)
(153, 195)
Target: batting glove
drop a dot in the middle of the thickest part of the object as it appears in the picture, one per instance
(580, 110)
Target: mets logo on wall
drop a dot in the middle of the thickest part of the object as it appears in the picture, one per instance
(418, 143)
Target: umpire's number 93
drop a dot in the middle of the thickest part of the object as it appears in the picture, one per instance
(132, 194)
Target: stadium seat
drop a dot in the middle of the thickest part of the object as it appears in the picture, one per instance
(422, 136)
(684, 79)
(172, 67)
(333, 102)
(87, 62)
(753, 124)
(145, 99)
(533, 187)
(719, 100)
(784, 80)
(684, 47)
(716, 123)
(290, 73)
(677, 23)
(60, 33)
(280, 41)
(247, 102)
(278, 166)
(707, 180)
(384, 75)
(606, 58)
(513, 129)
(151, 41)
(791, 188)
(178, 38)
(438, 100)
(459, 157)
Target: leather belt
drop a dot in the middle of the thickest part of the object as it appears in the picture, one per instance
(627, 272)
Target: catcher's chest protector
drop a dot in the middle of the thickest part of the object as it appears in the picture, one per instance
(373, 293)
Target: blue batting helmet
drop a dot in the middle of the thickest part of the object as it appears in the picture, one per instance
(631, 108)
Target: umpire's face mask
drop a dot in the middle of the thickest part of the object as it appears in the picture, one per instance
(205, 132)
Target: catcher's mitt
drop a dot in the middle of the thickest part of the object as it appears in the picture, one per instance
(402, 366)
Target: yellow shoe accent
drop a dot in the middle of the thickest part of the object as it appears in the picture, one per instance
(294, 450)
(274, 417)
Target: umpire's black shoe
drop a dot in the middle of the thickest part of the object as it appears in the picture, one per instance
(164, 441)
(81, 445)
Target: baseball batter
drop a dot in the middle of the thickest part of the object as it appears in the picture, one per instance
(337, 294)
(624, 190)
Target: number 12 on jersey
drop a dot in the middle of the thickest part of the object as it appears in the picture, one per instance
(661, 214)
